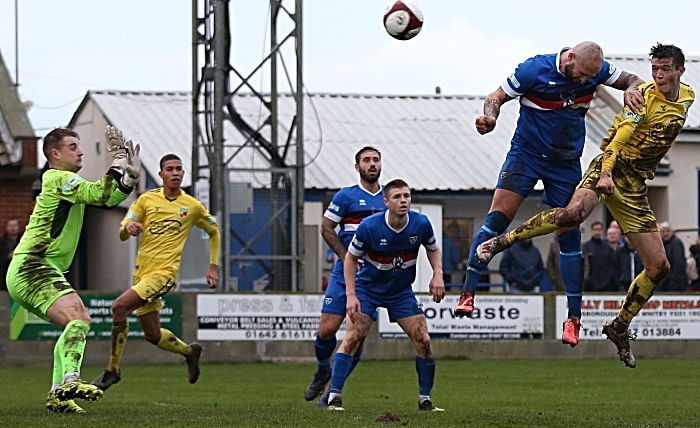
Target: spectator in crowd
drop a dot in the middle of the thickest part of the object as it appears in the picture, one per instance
(8, 243)
(614, 237)
(450, 252)
(598, 260)
(695, 259)
(614, 224)
(626, 265)
(676, 280)
(522, 267)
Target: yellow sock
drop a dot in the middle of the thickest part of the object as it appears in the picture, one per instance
(538, 225)
(169, 342)
(638, 294)
(120, 330)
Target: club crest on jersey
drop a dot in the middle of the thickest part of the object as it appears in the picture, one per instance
(183, 212)
(413, 239)
(398, 262)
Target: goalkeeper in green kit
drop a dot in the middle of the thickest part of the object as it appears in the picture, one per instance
(35, 276)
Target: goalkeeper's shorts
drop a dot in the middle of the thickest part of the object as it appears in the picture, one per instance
(35, 283)
(151, 287)
(628, 204)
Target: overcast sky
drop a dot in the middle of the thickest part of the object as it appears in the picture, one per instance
(70, 46)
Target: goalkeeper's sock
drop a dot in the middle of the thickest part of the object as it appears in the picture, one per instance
(496, 223)
(57, 377)
(341, 370)
(538, 225)
(71, 345)
(639, 293)
(324, 350)
(171, 343)
(426, 375)
(120, 331)
(571, 267)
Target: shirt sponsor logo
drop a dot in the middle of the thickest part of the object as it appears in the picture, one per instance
(363, 202)
(382, 242)
(514, 80)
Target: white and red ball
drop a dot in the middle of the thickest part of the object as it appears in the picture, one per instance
(403, 20)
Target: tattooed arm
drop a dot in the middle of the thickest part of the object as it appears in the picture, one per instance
(629, 83)
(492, 108)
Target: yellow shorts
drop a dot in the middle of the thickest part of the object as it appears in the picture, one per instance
(151, 287)
(628, 204)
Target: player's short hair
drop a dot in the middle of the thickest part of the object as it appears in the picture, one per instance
(52, 140)
(396, 183)
(661, 51)
(358, 155)
(169, 156)
(596, 223)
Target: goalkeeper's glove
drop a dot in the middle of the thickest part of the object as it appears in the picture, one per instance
(132, 169)
(115, 142)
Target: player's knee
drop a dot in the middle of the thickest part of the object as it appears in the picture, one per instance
(326, 331)
(152, 336)
(119, 310)
(659, 270)
(422, 343)
(568, 217)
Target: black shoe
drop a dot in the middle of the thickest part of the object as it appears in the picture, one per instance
(107, 379)
(315, 388)
(323, 399)
(192, 360)
(427, 405)
(336, 404)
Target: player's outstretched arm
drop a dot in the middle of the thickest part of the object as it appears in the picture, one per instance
(629, 83)
(492, 108)
(437, 282)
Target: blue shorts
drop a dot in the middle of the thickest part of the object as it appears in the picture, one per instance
(399, 306)
(335, 301)
(521, 171)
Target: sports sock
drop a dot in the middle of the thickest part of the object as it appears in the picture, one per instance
(120, 330)
(355, 359)
(571, 268)
(638, 295)
(169, 342)
(341, 370)
(71, 345)
(538, 225)
(426, 375)
(495, 223)
(57, 377)
(324, 350)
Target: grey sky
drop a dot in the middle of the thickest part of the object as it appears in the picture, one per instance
(68, 47)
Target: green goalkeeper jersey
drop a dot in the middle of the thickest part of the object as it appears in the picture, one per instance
(55, 224)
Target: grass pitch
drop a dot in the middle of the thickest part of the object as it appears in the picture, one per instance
(488, 393)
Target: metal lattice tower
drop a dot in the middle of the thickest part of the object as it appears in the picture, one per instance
(216, 156)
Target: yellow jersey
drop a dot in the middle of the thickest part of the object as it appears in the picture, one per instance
(642, 139)
(166, 224)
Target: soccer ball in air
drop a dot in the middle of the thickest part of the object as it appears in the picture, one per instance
(403, 20)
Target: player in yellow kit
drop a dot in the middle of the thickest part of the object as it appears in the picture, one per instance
(164, 216)
(636, 144)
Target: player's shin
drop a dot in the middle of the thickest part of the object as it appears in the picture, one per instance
(57, 368)
(638, 295)
(426, 375)
(495, 224)
(538, 225)
(120, 331)
(571, 267)
(171, 343)
(324, 349)
(71, 346)
(342, 364)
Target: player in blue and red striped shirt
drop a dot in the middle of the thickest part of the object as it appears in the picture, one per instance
(345, 212)
(555, 92)
(389, 243)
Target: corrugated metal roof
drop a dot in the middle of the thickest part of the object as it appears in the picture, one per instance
(430, 141)
(641, 66)
(14, 122)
